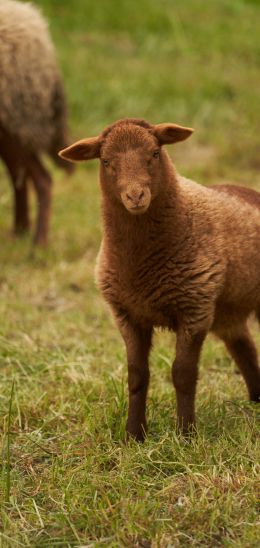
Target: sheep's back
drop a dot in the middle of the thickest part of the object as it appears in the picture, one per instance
(248, 195)
(32, 106)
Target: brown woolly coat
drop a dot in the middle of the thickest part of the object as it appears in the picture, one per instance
(193, 259)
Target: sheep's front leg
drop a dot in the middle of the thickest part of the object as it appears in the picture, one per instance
(138, 343)
(185, 375)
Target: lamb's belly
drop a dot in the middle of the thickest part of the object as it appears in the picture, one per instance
(156, 318)
(148, 313)
(229, 319)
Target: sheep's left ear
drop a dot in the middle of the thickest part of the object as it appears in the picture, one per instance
(83, 150)
(171, 133)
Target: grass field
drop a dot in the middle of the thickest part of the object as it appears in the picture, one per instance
(67, 477)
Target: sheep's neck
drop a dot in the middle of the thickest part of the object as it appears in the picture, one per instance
(165, 223)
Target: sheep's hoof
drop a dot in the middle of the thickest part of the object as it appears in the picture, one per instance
(186, 430)
(21, 231)
(38, 255)
(138, 434)
(255, 398)
(40, 241)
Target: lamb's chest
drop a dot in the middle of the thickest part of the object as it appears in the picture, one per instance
(148, 299)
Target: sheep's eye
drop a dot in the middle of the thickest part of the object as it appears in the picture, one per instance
(156, 154)
(105, 163)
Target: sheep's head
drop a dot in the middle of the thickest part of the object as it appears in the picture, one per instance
(130, 157)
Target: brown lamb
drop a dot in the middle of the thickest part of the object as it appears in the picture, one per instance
(175, 255)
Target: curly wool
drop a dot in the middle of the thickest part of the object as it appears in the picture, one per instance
(32, 103)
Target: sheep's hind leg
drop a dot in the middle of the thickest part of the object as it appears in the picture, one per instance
(42, 182)
(21, 218)
(184, 376)
(138, 343)
(243, 351)
(14, 159)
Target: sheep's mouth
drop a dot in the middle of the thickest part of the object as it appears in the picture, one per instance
(138, 209)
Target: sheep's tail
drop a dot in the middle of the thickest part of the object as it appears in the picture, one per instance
(60, 138)
(258, 315)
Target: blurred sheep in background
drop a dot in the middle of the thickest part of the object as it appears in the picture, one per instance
(33, 114)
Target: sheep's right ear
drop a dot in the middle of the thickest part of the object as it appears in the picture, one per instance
(83, 150)
(171, 133)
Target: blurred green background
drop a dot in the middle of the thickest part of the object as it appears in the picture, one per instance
(191, 62)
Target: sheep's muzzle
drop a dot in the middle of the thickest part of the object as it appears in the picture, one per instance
(136, 199)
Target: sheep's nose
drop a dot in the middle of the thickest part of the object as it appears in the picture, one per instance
(135, 198)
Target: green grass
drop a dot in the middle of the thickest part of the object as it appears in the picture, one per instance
(71, 480)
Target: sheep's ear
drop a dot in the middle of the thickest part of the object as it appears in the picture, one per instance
(171, 133)
(83, 150)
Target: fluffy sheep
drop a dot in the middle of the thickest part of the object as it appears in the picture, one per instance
(32, 109)
(175, 254)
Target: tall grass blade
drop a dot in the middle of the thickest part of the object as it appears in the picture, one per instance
(8, 466)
